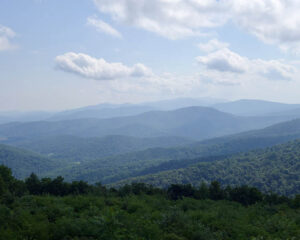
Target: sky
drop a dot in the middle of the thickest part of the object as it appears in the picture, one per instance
(60, 54)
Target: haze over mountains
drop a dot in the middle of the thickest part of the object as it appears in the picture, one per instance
(243, 107)
(193, 122)
(116, 144)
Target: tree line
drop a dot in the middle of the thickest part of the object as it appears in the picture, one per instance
(33, 185)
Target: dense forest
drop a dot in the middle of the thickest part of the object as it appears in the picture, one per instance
(275, 169)
(53, 209)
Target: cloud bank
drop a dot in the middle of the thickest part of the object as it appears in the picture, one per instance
(170, 19)
(272, 21)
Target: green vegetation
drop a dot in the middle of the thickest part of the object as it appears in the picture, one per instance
(275, 169)
(57, 210)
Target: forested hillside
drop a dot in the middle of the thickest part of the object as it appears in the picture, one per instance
(24, 162)
(275, 169)
(77, 149)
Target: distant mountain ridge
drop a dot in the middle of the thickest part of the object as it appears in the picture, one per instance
(244, 107)
(191, 122)
(104, 110)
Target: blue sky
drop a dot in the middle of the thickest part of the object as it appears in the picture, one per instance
(62, 54)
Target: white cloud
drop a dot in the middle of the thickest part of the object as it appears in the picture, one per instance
(212, 45)
(98, 69)
(231, 64)
(6, 34)
(102, 26)
(272, 21)
(224, 60)
(172, 19)
(274, 69)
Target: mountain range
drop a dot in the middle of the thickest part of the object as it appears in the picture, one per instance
(192, 122)
(161, 142)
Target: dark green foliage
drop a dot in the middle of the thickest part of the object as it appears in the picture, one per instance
(139, 211)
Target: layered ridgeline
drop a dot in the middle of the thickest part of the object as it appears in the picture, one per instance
(78, 149)
(192, 122)
(106, 110)
(155, 160)
(246, 107)
(275, 169)
(23, 162)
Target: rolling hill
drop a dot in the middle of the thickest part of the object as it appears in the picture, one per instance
(154, 160)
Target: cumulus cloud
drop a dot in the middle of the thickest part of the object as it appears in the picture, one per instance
(227, 61)
(6, 34)
(224, 61)
(98, 69)
(102, 26)
(272, 21)
(212, 45)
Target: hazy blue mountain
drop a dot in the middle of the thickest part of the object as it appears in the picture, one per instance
(101, 111)
(6, 117)
(285, 131)
(154, 160)
(24, 162)
(247, 107)
(77, 149)
(294, 113)
(106, 110)
(171, 104)
(192, 122)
